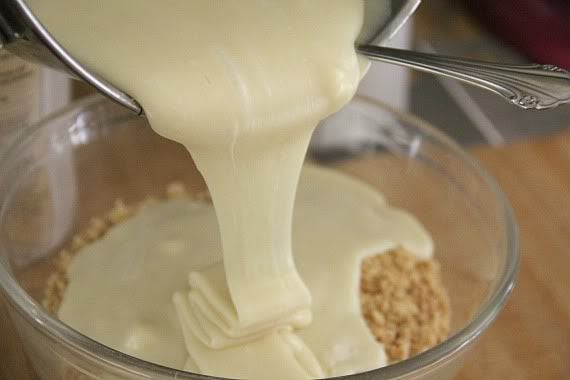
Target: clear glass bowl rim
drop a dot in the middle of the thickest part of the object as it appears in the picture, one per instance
(40, 319)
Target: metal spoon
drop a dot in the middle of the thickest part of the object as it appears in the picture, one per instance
(531, 86)
(528, 86)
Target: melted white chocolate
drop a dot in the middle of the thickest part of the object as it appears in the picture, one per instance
(242, 84)
(121, 286)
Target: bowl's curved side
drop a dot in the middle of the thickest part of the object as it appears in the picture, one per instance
(38, 319)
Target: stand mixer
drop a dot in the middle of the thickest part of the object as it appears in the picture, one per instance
(534, 86)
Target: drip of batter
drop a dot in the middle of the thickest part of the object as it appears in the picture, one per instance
(242, 85)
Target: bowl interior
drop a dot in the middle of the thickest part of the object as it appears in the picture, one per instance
(78, 163)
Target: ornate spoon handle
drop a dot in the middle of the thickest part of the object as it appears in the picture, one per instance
(528, 86)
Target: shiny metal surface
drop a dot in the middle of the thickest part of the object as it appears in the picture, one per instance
(23, 34)
(531, 86)
(377, 31)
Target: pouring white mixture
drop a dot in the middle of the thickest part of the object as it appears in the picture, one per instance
(242, 84)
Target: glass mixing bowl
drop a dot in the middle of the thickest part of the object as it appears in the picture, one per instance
(74, 165)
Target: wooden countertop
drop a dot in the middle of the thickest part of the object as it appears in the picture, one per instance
(531, 338)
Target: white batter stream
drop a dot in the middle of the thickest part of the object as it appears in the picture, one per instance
(242, 84)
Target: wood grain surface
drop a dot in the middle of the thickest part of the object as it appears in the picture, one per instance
(531, 338)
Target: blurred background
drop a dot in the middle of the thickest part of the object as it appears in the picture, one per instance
(515, 31)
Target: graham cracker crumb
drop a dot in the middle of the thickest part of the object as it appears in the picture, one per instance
(176, 190)
(403, 299)
(203, 196)
(404, 303)
(119, 213)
